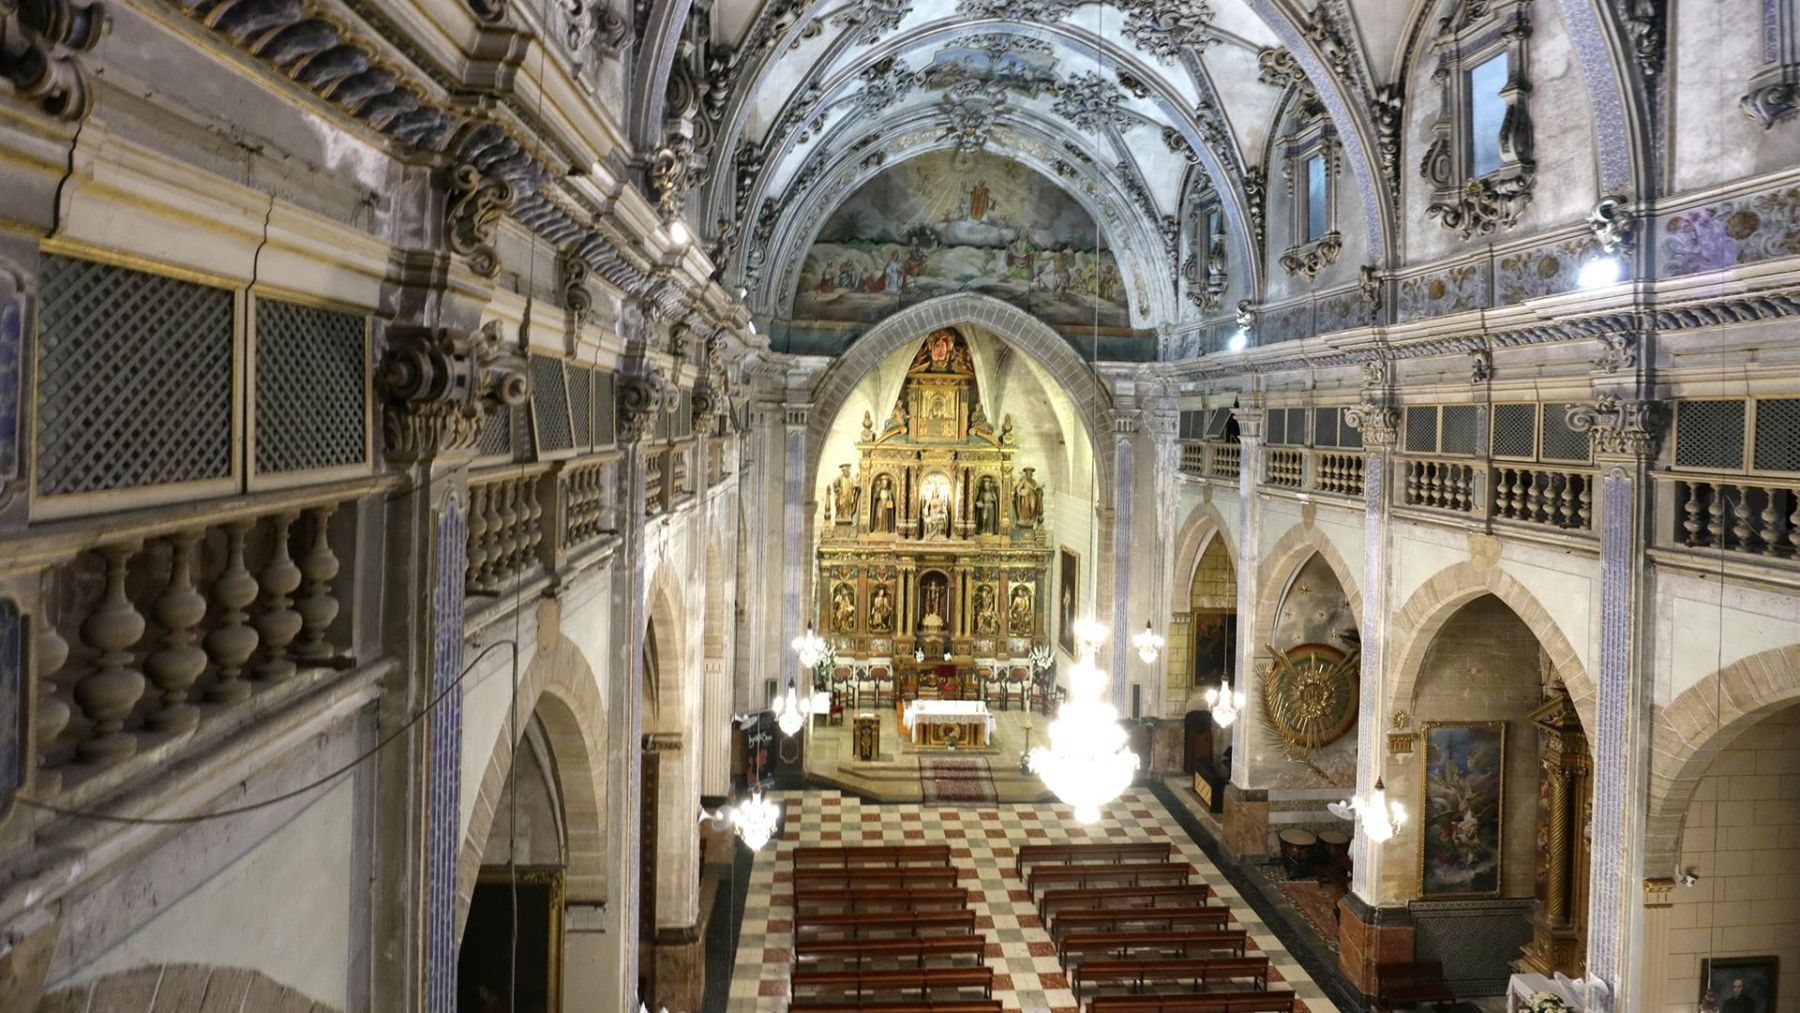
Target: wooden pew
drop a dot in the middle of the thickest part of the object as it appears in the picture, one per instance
(857, 879)
(1410, 984)
(857, 952)
(1143, 919)
(1075, 854)
(1193, 895)
(1134, 874)
(1214, 1002)
(924, 980)
(884, 899)
(1139, 973)
(892, 856)
(928, 1006)
(885, 923)
(1077, 946)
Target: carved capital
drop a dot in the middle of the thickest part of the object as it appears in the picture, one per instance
(640, 396)
(38, 43)
(1484, 206)
(437, 385)
(1378, 423)
(477, 203)
(1617, 427)
(572, 277)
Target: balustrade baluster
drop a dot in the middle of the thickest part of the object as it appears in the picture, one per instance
(1794, 523)
(506, 542)
(1715, 513)
(49, 650)
(1565, 501)
(1691, 512)
(111, 690)
(1740, 511)
(175, 665)
(1771, 520)
(534, 523)
(1518, 494)
(475, 571)
(278, 623)
(1584, 508)
(1412, 482)
(318, 606)
(230, 644)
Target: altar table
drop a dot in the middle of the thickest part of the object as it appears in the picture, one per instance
(928, 721)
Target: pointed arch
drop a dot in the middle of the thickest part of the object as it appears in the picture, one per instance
(1280, 564)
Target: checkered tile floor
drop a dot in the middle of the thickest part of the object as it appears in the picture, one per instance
(1027, 975)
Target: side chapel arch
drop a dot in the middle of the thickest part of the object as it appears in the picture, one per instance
(1282, 564)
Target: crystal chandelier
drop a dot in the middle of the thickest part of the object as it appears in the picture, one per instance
(1087, 764)
(1148, 644)
(810, 646)
(791, 716)
(1380, 818)
(1224, 703)
(754, 822)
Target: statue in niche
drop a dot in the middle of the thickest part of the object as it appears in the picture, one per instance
(936, 514)
(881, 517)
(1028, 500)
(932, 590)
(845, 494)
(881, 610)
(1019, 613)
(843, 608)
(987, 507)
(987, 612)
(868, 428)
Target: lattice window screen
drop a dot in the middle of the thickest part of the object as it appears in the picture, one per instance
(311, 388)
(604, 419)
(1325, 427)
(1348, 438)
(664, 419)
(1778, 434)
(1296, 426)
(1421, 430)
(134, 379)
(1193, 425)
(1277, 426)
(550, 404)
(1515, 430)
(684, 414)
(1459, 429)
(496, 434)
(1560, 443)
(1709, 434)
(581, 405)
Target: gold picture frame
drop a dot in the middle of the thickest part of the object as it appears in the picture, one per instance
(549, 881)
(1068, 597)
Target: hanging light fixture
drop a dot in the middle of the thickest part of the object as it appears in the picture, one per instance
(1380, 818)
(810, 646)
(790, 717)
(1225, 704)
(1148, 644)
(1087, 764)
(755, 822)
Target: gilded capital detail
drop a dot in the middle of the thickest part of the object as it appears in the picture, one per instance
(438, 385)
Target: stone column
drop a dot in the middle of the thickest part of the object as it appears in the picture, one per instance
(1622, 431)
(1378, 422)
(1249, 416)
(678, 970)
(1124, 477)
(639, 398)
(1165, 427)
(796, 568)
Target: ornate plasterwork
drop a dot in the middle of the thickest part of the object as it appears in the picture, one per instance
(970, 111)
(1616, 426)
(1645, 23)
(1091, 103)
(39, 40)
(885, 82)
(477, 203)
(1773, 95)
(639, 397)
(866, 21)
(571, 282)
(1461, 201)
(1168, 30)
(1613, 224)
(1483, 206)
(1039, 11)
(438, 384)
(1308, 259)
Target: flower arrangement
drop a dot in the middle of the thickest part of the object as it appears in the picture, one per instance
(1545, 1002)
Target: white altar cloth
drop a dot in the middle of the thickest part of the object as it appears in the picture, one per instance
(946, 712)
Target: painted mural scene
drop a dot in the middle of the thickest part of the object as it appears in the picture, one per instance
(941, 224)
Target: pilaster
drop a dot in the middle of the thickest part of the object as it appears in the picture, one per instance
(1249, 416)
(1164, 428)
(1124, 437)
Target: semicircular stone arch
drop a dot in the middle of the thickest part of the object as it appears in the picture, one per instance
(1413, 628)
(1010, 324)
(1688, 734)
(560, 689)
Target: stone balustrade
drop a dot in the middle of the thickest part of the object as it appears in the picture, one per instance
(153, 626)
(506, 527)
(1439, 484)
(1285, 467)
(1753, 515)
(588, 499)
(1554, 498)
(1338, 472)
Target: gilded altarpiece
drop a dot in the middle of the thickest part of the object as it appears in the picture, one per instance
(933, 538)
(1565, 806)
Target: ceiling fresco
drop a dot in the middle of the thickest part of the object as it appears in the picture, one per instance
(949, 222)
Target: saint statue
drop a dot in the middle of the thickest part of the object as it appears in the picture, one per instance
(987, 614)
(843, 609)
(987, 507)
(1028, 500)
(845, 494)
(978, 420)
(1019, 613)
(934, 603)
(881, 518)
(936, 514)
(881, 610)
(897, 418)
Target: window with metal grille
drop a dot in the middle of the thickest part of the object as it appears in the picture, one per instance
(1348, 438)
(1514, 430)
(1559, 442)
(134, 379)
(1421, 429)
(1777, 434)
(496, 434)
(581, 404)
(1296, 426)
(1459, 424)
(1325, 427)
(550, 405)
(311, 388)
(1277, 427)
(684, 414)
(665, 422)
(1709, 434)
(1192, 425)
(604, 422)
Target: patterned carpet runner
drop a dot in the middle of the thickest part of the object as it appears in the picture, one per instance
(956, 780)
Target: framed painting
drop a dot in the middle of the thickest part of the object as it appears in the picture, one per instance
(1068, 597)
(1462, 808)
(1739, 984)
(513, 942)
